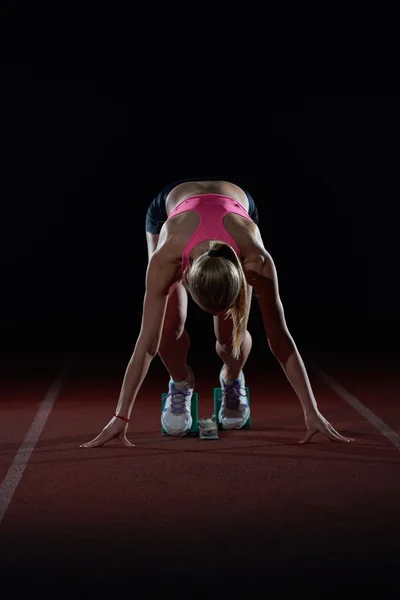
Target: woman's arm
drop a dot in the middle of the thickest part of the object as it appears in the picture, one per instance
(261, 273)
(161, 274)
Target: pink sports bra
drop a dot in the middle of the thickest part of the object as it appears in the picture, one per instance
(212, 208)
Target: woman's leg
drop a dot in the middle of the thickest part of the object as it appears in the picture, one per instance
(235, 411)
(175, 341)
(223, 333)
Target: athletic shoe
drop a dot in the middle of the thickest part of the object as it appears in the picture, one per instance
(235, 410)
(176, 417)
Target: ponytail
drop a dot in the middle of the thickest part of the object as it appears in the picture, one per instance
(238, 313)
(239, 310)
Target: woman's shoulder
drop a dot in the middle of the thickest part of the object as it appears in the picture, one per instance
(246, 234)
(175, 234)
(170, 246)
(165, 264)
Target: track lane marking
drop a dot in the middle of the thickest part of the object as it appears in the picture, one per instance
(355, 403)
(15, 472)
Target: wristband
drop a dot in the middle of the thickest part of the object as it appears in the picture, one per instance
(123, 418)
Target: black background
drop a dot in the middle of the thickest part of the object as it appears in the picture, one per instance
(84, 151)
(82, 162)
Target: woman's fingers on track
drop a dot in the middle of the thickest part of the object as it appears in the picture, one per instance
(307, 437)
(102, 439)
(114, 429)
(332, 434)
(335, 436)
(97, 441)
(125, 441)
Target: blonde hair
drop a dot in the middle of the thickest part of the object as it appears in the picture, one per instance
(218, 284)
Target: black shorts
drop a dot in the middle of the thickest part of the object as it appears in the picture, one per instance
(157, 214)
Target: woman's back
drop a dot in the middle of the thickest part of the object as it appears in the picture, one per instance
(178, 230)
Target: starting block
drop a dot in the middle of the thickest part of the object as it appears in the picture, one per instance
(194, 409)
(217, 407)
(194, 430)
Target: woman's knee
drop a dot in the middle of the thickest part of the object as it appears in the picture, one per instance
(226, 344)
(223, 327)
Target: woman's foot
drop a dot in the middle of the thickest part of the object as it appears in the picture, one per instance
(176, 417)
(235, 411)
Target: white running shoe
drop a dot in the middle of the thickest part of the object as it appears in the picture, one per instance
(235, 410)
(176, 417)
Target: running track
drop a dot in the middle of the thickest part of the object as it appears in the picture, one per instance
(252, 513)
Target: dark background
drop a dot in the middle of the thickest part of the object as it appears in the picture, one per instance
(84, 151)
(82, 162)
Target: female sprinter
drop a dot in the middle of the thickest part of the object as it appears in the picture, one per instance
(203, 238)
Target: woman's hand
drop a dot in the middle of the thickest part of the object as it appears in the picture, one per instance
(316, 423)
(116, 428)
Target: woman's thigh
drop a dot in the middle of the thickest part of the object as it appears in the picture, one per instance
(223, 327)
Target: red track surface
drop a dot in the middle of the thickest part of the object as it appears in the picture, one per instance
(254, 512)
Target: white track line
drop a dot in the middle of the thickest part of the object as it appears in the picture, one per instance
(391, 435)
(14, 473)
